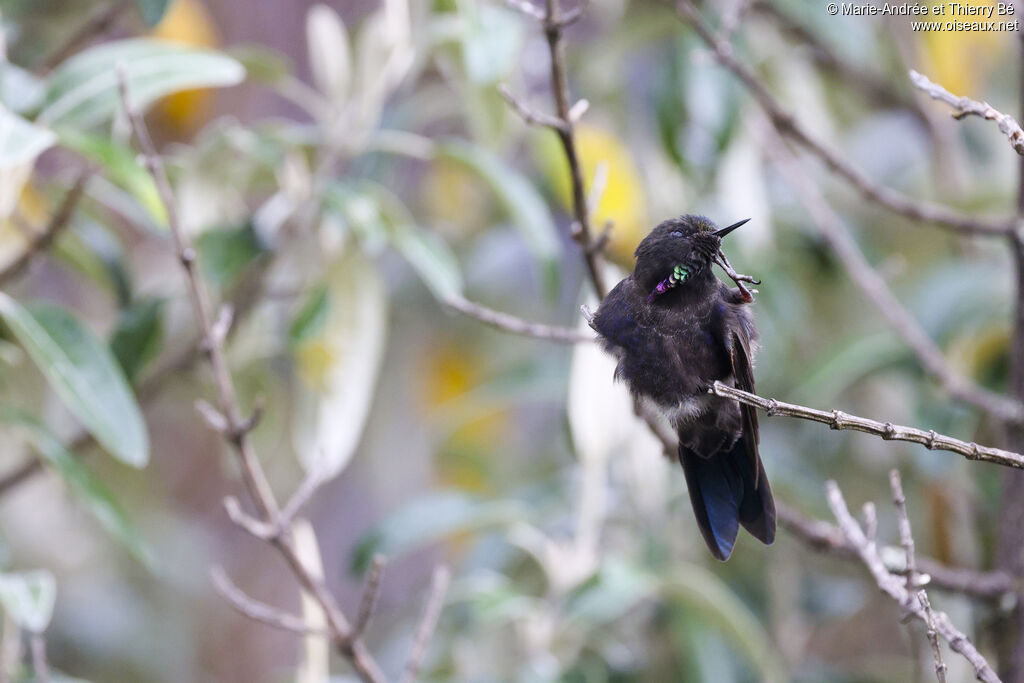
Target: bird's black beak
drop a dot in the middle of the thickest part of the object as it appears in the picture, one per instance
(725, 231)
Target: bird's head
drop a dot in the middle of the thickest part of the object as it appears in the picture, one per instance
(677, 255)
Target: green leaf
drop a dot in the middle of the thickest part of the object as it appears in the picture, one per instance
(608, 595)
(429, 519)
(338, 366)
(84, 373)
(21, 141)
(225, 254)
(311, 318)
(121, 165)
(138, 335)
(152, 11)
(518, 197)
(90, 490)
(28, 598)
(21, 91)
(430, 256)
(261, 63)
(492, 40)
(83, 91)
(715, 605)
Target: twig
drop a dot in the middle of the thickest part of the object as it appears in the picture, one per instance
(914, 580)
(826, 538)
(894, 586)
(509, 323)
(256, 610)
(371, 591)
(528, 114)
(60, 220)
(874, 86)
(40, 669)
(314, 480)
(431, 613)
(877, 291)
(237, 434)
(787, 125)
(837, 419)
(965, 106)
(91, 28)
(554, 22)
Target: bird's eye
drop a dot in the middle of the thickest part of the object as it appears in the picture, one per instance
(677, 233)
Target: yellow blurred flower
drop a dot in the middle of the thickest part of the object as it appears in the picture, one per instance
(186, 21)
(31, 213)
(450, 374)
(961, 61)
(607, 160)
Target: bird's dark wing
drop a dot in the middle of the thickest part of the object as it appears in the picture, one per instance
(743, 373)
(757, 509)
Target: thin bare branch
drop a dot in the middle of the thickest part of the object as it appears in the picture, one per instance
(256, 610)
(280, 537)
(554, 23)
(93, 27)
(310, 484)
(894, 586)
(965, 106)
(837, 419)
(915, 580)
(425, 631)
(826, 538)
(785, 123)
(509, 323)
(528, 114)
(877, 291)
(371, 591)
(60, 220)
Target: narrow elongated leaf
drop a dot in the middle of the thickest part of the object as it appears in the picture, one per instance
(90, 490)
(28, 598)
(21, 141)
(330, 57)
(429, 519)
(120, 164)
(84, 90)
(83, 372)
(519, 198)
(152, 11)
(138, 335)
(716, 605)
(338, 366)
(430, 256)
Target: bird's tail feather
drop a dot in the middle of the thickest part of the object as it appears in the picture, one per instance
(728, 490)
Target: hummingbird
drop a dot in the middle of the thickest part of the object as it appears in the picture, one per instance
(676, 329)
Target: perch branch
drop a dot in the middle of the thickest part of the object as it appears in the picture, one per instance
(915, 580)
(965, 106)
(877, 291)
(894, 586)
(510, 323)
(837, 419)
(788, 126)
(237, 433)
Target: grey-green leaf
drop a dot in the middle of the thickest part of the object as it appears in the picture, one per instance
(518, 197)
(96, 496)
(84, 373)
(21, 141)
(84, 90)
(152, 11)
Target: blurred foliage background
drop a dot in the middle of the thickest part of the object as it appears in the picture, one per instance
(342, 168)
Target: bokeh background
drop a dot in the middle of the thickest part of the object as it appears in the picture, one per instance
(335, 205)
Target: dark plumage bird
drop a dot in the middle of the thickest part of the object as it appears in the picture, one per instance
(676, 329)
